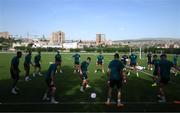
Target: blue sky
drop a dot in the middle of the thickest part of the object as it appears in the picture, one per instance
(82, 19)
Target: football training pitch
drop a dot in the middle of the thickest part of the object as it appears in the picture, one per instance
(137, 93)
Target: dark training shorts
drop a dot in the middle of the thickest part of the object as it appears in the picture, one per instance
(48, 82)
(84, 76)
(76, 63)
(164, 80)
(117, 83)
(14, 76)
(155, 73)
(26, 67)
(149, 62)
(132, 64)
(99, 62)
(38, 65)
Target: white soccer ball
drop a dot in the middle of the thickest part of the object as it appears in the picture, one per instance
(93, 95)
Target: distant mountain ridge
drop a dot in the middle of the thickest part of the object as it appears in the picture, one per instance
(149, 39)
(167, 38)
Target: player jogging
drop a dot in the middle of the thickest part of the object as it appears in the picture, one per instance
(14, 70)
(50, 81)
(37, 65)
(27, 63)
(76, 62)
(155, 62)
(84, 74)
(100, 61)
(115, 78)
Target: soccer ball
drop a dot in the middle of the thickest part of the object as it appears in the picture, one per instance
(93, 95)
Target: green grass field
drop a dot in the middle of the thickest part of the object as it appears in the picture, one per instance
(137, 94)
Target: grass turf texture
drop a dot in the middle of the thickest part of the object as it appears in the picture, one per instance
(137, 94)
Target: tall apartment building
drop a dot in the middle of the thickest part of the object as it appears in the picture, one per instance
(5, 35)
(58, 38)
(100, 39)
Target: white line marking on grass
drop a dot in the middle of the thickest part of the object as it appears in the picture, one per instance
(153, 75)
(51, 62)
(97, 103)
(145, 73)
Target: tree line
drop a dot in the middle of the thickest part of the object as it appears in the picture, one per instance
(125, 49)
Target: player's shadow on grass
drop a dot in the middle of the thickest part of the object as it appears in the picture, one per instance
(68, 84)
(2, 66)
(33, 90)
(136, 89)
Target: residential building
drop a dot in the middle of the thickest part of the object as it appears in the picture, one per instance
(100, 39)
(5, 35)
(58, 38)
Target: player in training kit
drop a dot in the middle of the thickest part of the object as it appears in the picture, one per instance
(175, 60)
(124, 60)
(100, 61)
(149, 61)
(165, 67)
(133, 63)
(14, 70)
(156, 72)
(76, 62)
(115, 78)
(59, 59)
(175, 63)
(84, 74)
(50, 81)
(37, 65)
(27, 63)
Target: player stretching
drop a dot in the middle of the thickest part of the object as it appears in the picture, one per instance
(84, 74)
(14, 70)
(59, 59)
(100, 61)
(116, 78)
(37, 65)
(133, 63)
(149, 62)
(27, 63)
(155, 62)
(76, 62)
(50, 80)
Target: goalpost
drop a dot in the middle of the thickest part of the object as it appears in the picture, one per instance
(140, 54)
